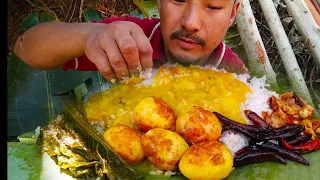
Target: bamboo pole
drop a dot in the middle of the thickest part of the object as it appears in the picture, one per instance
(306, 25)
(258, 61)
(287, 55)
(314, 9)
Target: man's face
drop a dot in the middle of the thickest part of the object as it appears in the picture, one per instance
(192, 29)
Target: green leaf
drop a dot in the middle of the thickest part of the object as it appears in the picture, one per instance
(149, 8)
(28, 98)
(144, 168)
(30, 91)
(65, 81)
(274, 171)
(24, 161)
(30, 137)
(137, 14)
(90, 15)
(46, 17)
(30, 21)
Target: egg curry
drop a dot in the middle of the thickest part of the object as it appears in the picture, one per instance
(198, 125)
(208, 160)
(179, 87)
(170, 122)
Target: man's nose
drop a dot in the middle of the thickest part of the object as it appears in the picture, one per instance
(191, 19)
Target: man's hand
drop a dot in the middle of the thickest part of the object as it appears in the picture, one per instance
(119, 49)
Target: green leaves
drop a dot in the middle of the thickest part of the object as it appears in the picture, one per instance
(148, 8)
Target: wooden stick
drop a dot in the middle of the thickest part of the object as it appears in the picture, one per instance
(74, 9)
(306, 25)
(80, 10)
(259, 64)
(287, 55)
(69, 9)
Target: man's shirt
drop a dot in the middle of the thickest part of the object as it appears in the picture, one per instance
(222, 57)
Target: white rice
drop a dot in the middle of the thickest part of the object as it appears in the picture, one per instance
(99, 126)
(165, 173)
(256, 102)
(148, 80)
(234, 141)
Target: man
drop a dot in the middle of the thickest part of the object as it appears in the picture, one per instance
(188, 32)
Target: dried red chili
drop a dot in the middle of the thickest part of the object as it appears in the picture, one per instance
(306, 147)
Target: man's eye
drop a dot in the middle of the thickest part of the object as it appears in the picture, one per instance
(180, 1)
(214, 7)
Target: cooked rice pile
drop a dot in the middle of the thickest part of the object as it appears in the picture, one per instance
(181, 88)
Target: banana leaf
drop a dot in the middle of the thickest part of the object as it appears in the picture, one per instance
(24, 161)
(273, 171)
(31, 100)
(22, 155)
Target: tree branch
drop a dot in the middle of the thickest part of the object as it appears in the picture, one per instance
(306, 26)
(258, 60)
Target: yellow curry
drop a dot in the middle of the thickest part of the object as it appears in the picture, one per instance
(180, 87)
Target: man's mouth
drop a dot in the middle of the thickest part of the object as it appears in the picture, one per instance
(187, 44)
(188, 40)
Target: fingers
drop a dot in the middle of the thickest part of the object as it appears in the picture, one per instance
(116, 59)
(144, 48)
(129, 49)
(100, 59)
(122, 50)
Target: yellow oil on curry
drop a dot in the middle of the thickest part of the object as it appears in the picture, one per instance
(180, 87)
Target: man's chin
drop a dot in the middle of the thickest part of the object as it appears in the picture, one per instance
(181, 59)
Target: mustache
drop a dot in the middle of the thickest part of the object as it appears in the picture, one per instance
(182, 33)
